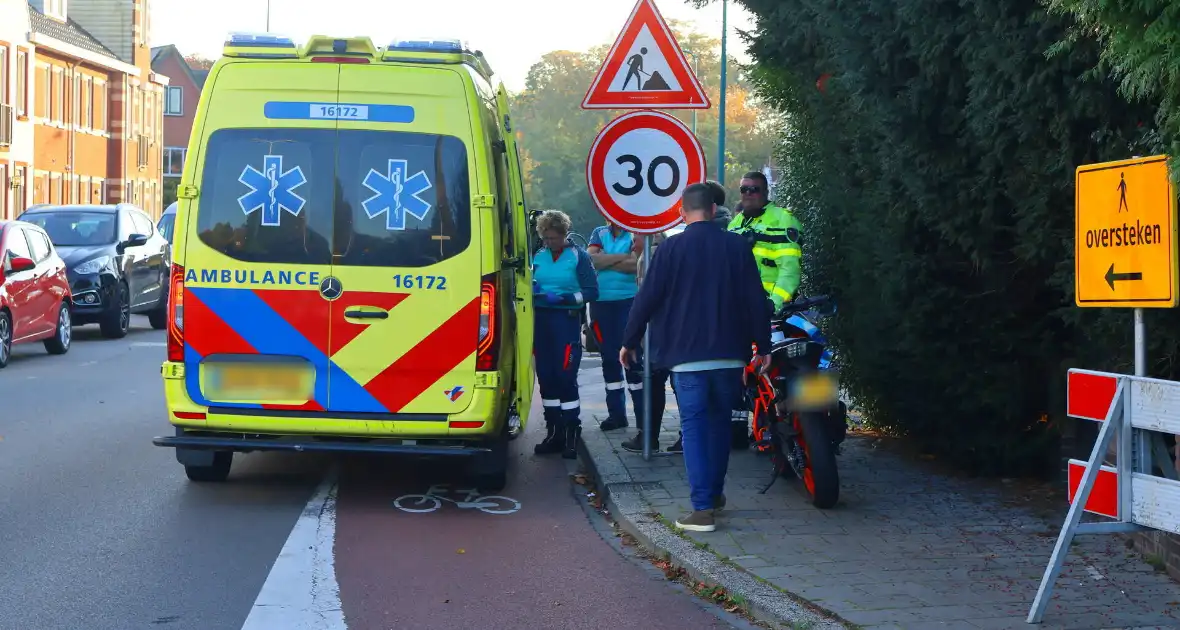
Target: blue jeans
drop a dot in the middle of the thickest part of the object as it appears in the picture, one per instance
(609, 321)
(706, 402)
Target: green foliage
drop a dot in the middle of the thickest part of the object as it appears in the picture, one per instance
(934, 178)
(169, 190)
(556, 133)
(1141, 47)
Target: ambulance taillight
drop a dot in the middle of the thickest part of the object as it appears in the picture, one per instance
(488, 351)
(176, 314)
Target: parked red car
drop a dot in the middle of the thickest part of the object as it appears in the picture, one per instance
(34, 291)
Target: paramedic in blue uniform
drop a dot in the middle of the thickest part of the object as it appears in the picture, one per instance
(563, 282)
(612, 250)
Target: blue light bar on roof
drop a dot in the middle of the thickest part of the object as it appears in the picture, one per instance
(426, 45)
(260, 40)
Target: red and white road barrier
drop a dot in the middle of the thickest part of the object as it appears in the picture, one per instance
(1127, 492)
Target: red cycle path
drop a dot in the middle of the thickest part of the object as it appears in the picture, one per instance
(542, 567)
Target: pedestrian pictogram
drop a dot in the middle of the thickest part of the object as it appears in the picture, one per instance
(646, 68)
(1125, 235)
(638, 166)
(396, 194)
(271, 190)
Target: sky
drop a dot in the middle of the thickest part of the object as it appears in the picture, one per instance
(513, 34)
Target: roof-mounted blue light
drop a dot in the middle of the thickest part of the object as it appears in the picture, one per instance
(261, 40)
(426, 45)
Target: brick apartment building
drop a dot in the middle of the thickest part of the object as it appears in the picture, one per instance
(86, 106)
(180, 105)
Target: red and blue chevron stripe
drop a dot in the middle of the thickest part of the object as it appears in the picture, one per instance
(301, 323)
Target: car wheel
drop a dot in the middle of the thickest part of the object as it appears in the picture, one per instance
(216, 472)
(158, 316)
(59, 343)
(5, 338)
(117, 321)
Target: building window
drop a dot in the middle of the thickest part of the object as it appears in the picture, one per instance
(175, 104)
(48, 112)
(88, 104)
(101, 105)
(56, 8)
(76, 114)
(4, 192)
(174, 161)
(19, 190)
(4, 100)
(22, 83)
(59, 95)
(149, 113)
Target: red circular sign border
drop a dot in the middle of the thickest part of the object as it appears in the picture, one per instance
(649, 119)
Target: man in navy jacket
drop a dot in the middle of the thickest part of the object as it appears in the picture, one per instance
(704, 301)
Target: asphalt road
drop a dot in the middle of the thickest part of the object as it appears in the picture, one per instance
(99, 529)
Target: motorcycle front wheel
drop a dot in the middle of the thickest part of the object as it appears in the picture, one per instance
(820, 476)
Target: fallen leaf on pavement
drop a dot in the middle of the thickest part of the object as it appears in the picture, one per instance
(461, 551)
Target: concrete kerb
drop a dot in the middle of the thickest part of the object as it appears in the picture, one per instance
(635, 516)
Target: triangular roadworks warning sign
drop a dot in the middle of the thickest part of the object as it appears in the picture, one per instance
(645, 69)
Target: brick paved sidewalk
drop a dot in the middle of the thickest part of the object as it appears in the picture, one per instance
(905, 548)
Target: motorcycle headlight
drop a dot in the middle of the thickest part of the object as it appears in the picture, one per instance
(94, 265)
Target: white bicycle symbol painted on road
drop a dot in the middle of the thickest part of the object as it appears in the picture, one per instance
(434, 497)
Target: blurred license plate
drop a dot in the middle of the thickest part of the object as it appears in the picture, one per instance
(270, 382)
(816, 391)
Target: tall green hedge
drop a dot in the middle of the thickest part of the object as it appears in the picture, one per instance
(934, 176)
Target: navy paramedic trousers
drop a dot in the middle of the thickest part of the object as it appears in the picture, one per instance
(609, 319)
(557, 346)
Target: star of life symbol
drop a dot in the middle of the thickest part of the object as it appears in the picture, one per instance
(271, 190)
(396, 194)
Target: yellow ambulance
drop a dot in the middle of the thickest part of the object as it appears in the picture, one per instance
(351, 258)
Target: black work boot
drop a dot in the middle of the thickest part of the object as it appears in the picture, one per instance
(635, 444)
(554, 441)
(678, 446)
(611, 424)
(572, 433)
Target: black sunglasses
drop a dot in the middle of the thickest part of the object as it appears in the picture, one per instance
(750, 189)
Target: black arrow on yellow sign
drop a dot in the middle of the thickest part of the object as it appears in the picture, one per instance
(1112, 277)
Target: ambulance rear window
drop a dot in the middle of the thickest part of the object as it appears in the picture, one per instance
(406, 199)
(266, 195)
(298, 196)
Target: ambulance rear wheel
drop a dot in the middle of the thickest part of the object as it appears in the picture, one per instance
(490, 469)
(216, 472)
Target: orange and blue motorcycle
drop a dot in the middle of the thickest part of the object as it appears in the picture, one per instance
(798, 418)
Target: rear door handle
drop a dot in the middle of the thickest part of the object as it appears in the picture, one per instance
(367, 314)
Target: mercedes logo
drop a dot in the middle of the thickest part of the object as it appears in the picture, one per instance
(331, 288)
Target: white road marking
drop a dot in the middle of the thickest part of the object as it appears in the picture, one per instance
(301, 592)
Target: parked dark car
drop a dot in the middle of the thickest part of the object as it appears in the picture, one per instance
(117, 263)
(34, 291)
(167, 223)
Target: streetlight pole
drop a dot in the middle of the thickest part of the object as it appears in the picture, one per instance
(267, 16)
(721, 105)
(696, 68)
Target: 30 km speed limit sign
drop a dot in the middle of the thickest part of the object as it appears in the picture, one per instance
(638, 166)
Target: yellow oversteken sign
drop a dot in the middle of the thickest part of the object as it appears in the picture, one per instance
(1125, 235)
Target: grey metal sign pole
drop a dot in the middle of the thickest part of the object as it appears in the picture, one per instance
(647, 436)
